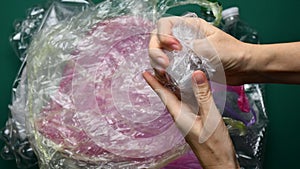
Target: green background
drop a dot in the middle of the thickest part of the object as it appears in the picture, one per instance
(275, 20)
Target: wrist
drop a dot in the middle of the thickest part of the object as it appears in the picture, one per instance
(217, 152)
(240, 64)
(274, 63)
(263, 64)
(251, 63)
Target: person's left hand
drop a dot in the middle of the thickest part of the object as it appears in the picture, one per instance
(204, 130)
(228, 54)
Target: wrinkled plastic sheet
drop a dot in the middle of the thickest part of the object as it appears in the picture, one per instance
(68, 102)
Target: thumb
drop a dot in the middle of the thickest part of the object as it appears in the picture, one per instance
(202, 92)
(208, 111)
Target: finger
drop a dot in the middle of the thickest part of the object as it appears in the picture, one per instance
(162, 39)
(207, 108)
(168, 98)
(158, 59)
(182, 115)
(202, 90)
(165, 28)
(165, 35)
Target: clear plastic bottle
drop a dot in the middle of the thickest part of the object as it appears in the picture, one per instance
(233, 25)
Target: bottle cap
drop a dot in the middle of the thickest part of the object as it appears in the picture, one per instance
(233, 11)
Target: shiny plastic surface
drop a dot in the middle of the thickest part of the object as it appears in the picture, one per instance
(60, 126)
(14, 134)
(95, 107)
(73, 86)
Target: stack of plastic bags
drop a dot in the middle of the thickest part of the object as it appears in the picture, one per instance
(80, 101)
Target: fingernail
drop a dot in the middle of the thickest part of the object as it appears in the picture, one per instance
(158, 63)
(199, 78)
(161, 62)
(149, 70)
(175, 46)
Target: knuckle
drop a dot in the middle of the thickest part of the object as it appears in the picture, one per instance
(203, 95)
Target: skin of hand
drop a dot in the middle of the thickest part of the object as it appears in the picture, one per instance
(242, 62)
(204, 130)
(227, 48)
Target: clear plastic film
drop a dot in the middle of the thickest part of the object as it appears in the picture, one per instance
(80, 101)
(41, 16)
(89, 110)
(79, 63)
(14, 134)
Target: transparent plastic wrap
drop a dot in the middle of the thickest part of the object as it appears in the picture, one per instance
(41, 16)
(71, 89)
(83, 101)
(14, 135)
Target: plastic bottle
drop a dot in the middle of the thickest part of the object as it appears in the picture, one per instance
(233, 25)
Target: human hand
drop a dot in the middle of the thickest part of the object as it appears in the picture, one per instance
(204, 130)
(226, 49)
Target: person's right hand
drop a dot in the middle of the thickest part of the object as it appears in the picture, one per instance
(230, 51)
(203, 128)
